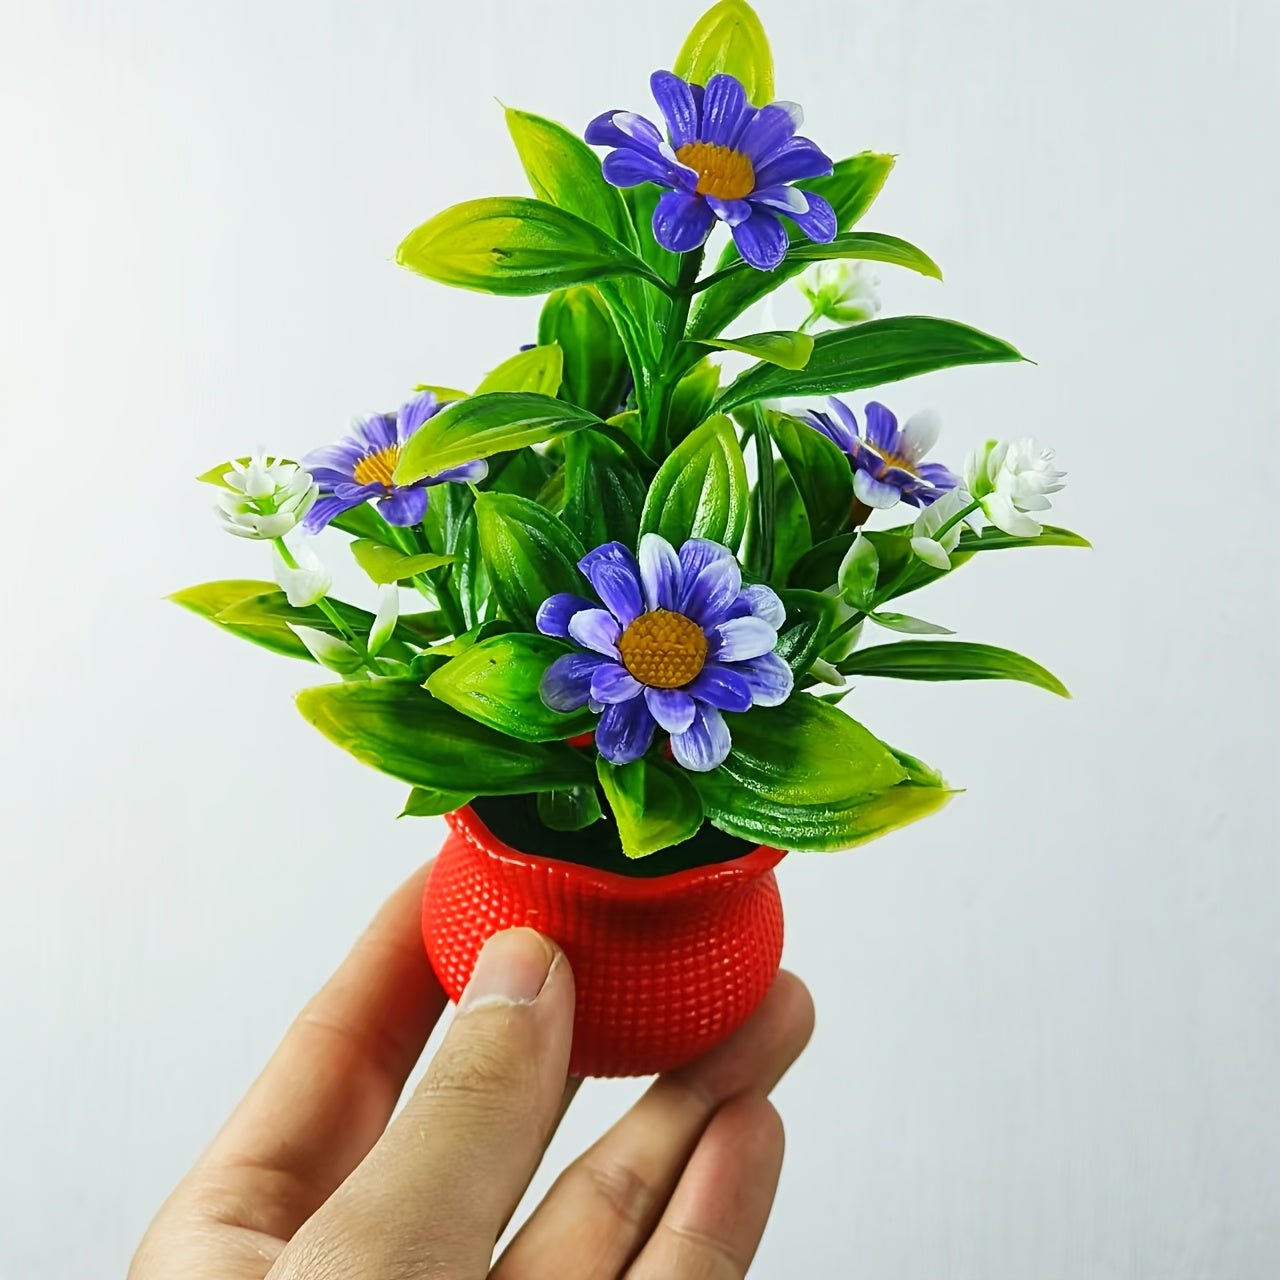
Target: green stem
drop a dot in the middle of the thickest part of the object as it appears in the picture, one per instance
(655, 421)
(323, 603)
(449, 603)
(762, 545)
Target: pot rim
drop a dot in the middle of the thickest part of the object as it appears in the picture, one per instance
(763, 858)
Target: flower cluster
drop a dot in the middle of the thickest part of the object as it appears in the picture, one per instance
(1010, 478)
(722, 159)
(678, 642)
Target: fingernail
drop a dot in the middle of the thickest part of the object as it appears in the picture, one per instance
(512, 969)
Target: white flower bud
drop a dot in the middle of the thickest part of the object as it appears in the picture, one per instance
(306, 584)
(328, 650)
(384, 622)
(843, 291)
(1011, 478)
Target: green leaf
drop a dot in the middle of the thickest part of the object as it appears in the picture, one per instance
(604, 491)
(729, 38)
(823, 828)
(700, 491)
(692, 399)
(540, 370)
(272, 609)
(792, 538)
(428, 802)
(385, 564)
(949, 660)
(851, 189)
(821, 473)
(497, 682)
(870, 355)
(514, 246)
(806, 775)
(399, 728)
(905, 622)
(564, 171)
(803, 635)
(859, 572)
(786, 349)
(485, 425)
(654, 803)
(993, 539)
(572, 809)
(529, 554)
(443, 394)
(867, 246)
(422, 628)
(210, 599)
(595, 360)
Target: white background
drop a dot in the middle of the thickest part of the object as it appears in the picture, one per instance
(1049, 1033)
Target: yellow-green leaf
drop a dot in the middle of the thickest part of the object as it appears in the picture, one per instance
(386, 564)
(786, 349)
(540, 370)
(729, 38)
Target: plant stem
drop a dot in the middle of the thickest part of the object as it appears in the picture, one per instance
(655, 423)
(323, 603)
(765, 505)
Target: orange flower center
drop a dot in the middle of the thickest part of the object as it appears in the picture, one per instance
(894, 460)
(377, 468)
(722, 172)
(663, 649)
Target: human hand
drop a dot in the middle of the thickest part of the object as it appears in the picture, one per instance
(308, 1178)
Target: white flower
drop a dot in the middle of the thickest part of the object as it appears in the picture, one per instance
(925, 542)
(328, 650)
(843, 291)
(384, 621)
(265, 498)
(1010, 478)
(306, 583)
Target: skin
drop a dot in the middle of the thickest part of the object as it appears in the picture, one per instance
(311, 1177)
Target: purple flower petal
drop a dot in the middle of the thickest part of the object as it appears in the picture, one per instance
(788, 200)
(818, 221)
(403, 507)
(628, 167)
(341, 457)
(602, 132)
(764, 603)
(673, 709)
(697, 553)
(465, 473)
(660, 572)
(769, 679)
(882, 428)
(704, 745)
(378, 432)
(721, 687)
(834, 430)
(706, 599)
(731, 212)
(682, 222)
(740, 639)
(596, 629)
(414, 413)
(675, 100)
(768, 132)
(794, 161)
(874, 492)
(940, 477)
(613, 571)
(358, 492)
(555, 611)
(323, 510)
(761, 240)
(625, 731)
(611, 682)
(724, 111)
(566, 683)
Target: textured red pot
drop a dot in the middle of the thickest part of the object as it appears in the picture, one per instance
(665, 967)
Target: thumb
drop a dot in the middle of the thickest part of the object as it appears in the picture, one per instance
(434, 1194)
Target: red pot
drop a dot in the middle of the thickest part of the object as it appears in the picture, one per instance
(665, 967)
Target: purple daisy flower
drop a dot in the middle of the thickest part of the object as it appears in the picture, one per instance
(723, 158)
(886, 458)
(361, 466)
(679, 642)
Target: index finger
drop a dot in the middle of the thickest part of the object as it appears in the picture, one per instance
(329, 1090)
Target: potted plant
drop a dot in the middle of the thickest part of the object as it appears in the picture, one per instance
(645, 584)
